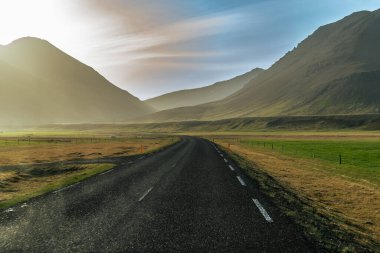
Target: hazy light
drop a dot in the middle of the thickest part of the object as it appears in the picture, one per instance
(20, 18)
(150, 47)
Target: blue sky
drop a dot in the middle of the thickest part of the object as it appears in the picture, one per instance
(150, 47)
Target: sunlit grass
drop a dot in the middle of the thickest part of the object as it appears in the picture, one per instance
(356, 159)
(18, 150)
(39, 152)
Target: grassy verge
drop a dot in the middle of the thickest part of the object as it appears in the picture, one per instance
(351, 158)
(36, 150)
(336, 205)
(17, 187)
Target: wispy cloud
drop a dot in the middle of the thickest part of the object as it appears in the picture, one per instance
(150, 47)
(166, 40)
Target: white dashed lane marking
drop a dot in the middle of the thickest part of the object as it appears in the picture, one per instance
(262, 210)
(146, 193)
(65, 188)
(106, 172)
(241, 181)
(256, 201)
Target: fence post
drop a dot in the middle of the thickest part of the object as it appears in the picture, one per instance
(340, 158)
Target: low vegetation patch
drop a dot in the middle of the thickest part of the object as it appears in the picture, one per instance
(34, 163)
(16, 186)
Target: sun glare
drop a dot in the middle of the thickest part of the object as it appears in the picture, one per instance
(45, 19)
(20, 18)
(52, 20)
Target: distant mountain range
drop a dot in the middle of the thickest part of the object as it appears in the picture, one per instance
(203, 95)
(40, 84)
(336, 70)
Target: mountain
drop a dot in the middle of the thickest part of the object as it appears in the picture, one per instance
(336, 70)
(40, 84)
(203, 95)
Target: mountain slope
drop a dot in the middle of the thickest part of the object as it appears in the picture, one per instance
(336, 70)
(41, 84)
(203, 95)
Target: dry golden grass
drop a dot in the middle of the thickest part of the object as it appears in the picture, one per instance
(52, 152)
(7, 175)
(356, 201)
(20, 183)
(19, 186)
(295, 135)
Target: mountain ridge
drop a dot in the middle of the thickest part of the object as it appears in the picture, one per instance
(209, 93)
(339, 60)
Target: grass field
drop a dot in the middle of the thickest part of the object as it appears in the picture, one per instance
(25, 158)
(41, 149)
(355, 159)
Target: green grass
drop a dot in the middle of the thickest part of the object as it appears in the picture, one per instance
(360, 159)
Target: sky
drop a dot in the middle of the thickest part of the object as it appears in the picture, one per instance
(151, 47)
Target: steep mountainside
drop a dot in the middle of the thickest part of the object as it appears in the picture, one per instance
(203, 95)
(40, 84)
(336, 70)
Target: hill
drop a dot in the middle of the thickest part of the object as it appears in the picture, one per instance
(336, 70)
(203, 95)
(41, 84)
(362, 122)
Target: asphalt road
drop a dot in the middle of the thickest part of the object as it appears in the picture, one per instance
(186, 198)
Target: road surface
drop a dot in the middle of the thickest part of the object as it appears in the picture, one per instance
(189, 197)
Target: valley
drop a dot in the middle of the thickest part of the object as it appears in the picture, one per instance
(217, 133)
